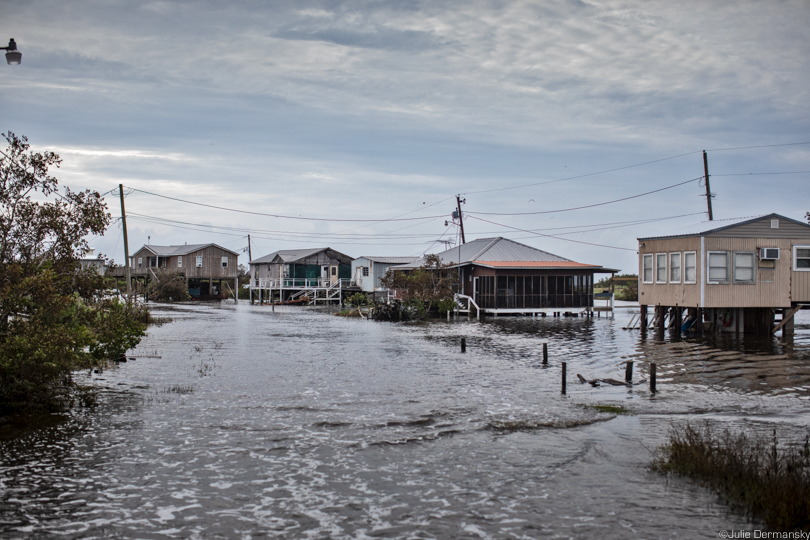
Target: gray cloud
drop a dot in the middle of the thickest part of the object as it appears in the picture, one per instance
(396, 102)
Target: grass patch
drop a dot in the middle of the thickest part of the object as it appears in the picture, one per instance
(611, 409)
(758, 475)
(353, 312)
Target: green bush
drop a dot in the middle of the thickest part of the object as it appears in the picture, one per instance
(357, 300)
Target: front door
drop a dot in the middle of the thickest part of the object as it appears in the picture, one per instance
(333, 274)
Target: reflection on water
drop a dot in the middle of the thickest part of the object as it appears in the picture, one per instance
(295, 423)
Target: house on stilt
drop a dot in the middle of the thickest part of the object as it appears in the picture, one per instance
(210, 271)
(320, 274)
(727, 276)
(500, 276)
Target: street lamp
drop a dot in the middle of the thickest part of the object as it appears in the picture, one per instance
(13, 56)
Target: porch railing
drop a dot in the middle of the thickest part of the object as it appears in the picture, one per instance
(301, 283)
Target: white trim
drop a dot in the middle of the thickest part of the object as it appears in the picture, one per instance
(684, 266)
(680, 267)
(795, 261)
(753, 279)
(728, 268)
(666, 267)
(652, 267)
(702, 271)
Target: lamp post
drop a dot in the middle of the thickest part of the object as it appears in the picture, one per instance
(13, 56)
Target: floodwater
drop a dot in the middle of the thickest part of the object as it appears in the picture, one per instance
(236, 421)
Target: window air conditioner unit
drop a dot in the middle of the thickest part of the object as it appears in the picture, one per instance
(768, 254)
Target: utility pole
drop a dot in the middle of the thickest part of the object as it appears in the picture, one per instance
(126, 242)
(250, 255)
(708, 188)
(460, 220)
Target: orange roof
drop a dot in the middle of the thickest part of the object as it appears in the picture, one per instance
(536, 264)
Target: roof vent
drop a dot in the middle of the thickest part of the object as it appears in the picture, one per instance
(768, 254)
(774, 224)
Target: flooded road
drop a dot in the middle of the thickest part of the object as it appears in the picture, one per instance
(298, 424)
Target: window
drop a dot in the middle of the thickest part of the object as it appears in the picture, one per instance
(718, 267)
(365, 271)
(774, 224)
(690, 267)
(660, 267)
(674, 267)
(647, 269)
(224, 262)
(140, 262)
(179, 261)
(199, 261)
(801, 258)
(744, 262)
(334, 270)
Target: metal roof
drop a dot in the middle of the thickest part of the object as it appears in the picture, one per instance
(292, 255)
(503, 253)
(536, 264)
(171, 251)
(390, 260)
(708, 227)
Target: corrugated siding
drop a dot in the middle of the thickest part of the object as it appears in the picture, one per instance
(364, 282)
(669, 294)
(378, 272)
(762, 229)
(772, 287)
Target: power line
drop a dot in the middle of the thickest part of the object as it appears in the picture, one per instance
(293, 234)
(760, 146)
(583, 175)
(586, 206)
(280, 215)
(208, 229)
(550, 235)
(627, 224)
(761, 173)
(263, 234)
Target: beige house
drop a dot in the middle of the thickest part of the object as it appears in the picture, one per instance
(734, 276)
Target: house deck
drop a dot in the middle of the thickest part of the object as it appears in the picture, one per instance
(324, 290)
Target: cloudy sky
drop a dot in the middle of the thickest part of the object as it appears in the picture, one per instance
(336, 111)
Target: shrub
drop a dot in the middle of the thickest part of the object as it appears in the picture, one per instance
(756, 474)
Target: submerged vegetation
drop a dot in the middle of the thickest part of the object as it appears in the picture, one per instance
(610, 409)
(168, 286)
(765, 479)
(54, 317)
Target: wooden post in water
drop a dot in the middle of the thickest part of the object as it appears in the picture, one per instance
(652, 377)
(545, 354)
(699, 322)
(463, 343)
(628, 372)
(661, 311)
(563, 377)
